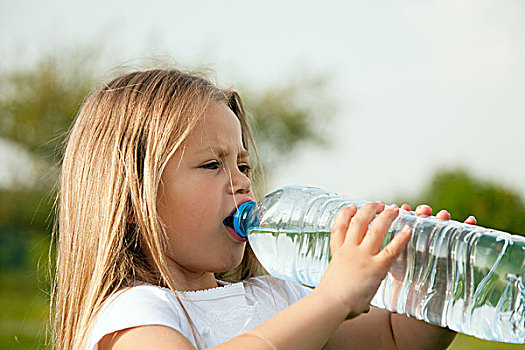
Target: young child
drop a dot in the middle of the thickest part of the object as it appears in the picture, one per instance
(155, 161)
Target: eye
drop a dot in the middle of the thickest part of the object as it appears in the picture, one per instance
(214, 165)
(245, 168)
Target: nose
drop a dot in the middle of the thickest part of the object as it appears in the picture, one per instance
(240, 182)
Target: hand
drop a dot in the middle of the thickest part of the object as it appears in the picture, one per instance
(358, 265)
(425, 210)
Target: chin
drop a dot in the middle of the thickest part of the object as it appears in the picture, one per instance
(230, 266)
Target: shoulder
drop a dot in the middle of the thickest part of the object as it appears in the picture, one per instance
(276, 287)
(135, 306)
(141, 298)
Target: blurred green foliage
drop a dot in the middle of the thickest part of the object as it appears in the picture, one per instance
(286, 117)
(493, 205)
(38, 105)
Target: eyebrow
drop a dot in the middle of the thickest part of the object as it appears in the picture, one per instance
(221, 152)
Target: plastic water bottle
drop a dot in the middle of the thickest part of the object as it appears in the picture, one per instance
(464, 277)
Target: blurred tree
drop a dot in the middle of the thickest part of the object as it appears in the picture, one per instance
(288, 116)
(462, 195)
(36, 107)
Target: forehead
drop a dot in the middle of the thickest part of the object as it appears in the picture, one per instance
(218, 127)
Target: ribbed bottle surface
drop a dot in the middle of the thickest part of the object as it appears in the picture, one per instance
(468, 278)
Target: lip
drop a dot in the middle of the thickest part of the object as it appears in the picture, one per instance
(235, 235)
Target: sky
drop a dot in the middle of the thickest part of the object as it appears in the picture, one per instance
(419, 85)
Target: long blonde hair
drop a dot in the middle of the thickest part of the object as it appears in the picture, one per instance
(116, 151)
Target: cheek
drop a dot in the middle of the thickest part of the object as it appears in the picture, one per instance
(184, 211)
(190, 202)
(170, 206)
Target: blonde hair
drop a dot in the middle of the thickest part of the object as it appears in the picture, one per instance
(116, 151)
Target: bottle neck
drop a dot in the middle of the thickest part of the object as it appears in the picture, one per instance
(241, 218)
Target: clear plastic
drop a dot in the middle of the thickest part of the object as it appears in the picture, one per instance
(464, 277)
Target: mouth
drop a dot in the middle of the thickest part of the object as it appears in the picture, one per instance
(228, 222)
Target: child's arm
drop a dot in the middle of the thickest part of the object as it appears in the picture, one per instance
(414, 334)
(351, 280)
(381, 329)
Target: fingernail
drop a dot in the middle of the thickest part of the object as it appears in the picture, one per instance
(392, 207)
(471, 218)
(379, 202)
(441, 212)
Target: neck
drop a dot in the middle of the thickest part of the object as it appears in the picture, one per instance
(186, 280)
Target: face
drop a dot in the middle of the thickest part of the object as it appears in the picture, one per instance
(203, 183)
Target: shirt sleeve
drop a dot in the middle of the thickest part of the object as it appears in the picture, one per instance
(136, 306)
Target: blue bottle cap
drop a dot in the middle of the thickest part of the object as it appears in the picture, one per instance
(240, 229)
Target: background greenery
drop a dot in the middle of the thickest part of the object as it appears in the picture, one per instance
(36, 108)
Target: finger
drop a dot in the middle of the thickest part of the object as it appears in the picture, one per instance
(395, 246)
(443, 215)
(359, 224)
(340, 227)
(423, 210)
(471, 220)
(406, 207)
(376, 233)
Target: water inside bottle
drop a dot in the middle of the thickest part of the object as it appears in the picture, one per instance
(434, 279)
(292, 254)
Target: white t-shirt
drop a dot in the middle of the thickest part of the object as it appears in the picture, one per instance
(219, 314)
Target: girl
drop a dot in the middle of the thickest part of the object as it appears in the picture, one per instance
(154, 163)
